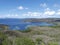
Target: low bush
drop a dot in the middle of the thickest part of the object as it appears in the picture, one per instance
(52, 43)
(25, 31)
(39, 41)
(24, 41)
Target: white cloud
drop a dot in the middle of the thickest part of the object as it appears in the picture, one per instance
(49, 12)
(36, 14)
(58, 12)
(12, 16)
(43, 5)
(46, 13)
(16, 16)
(32, 14)
(21, 8)
(47, 9)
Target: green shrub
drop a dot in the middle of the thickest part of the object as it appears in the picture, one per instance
(25, 31)
(56, 26)
(52, 43)
(2, 35)
(6, 42)
(39, 41)
(24, 41)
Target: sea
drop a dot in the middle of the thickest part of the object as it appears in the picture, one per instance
(18, 24)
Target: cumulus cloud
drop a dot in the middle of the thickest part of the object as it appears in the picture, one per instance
(46, 13)
(43, 5)
(21, 8)
(49, 12)
(58, 12)
(37, 14)
(32, 14)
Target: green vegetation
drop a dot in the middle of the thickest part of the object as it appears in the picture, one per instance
(23, 41)
(6, 42)
(39, 41)
(31, 36)
(2, 37)
(52, 43)
(25, 31)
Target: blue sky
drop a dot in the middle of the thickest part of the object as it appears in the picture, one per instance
(29, 8)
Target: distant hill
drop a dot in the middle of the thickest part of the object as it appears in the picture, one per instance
(32, 19)
(42, 20)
